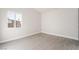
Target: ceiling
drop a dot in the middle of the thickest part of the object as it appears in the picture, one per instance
(43, 10)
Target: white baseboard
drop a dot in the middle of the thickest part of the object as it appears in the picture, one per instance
(61, 35)
(16, 38)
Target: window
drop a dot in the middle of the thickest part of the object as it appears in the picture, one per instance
(11, 15)
(14, 19)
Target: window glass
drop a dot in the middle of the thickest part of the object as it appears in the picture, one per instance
(18, 17)
(11, 15)
(14, 16)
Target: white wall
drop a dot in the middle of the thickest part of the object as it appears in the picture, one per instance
(61, 22)
(30, 24)
(78, 23)
(0, 25)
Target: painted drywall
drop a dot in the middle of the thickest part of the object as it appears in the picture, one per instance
(0, 25)
(78, 23)
(30, 24)
(61, 22)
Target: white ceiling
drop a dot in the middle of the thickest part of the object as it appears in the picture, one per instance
(42, 10)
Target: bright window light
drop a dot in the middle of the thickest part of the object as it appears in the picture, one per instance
(11, 15)
(18, 17)
(14, 16)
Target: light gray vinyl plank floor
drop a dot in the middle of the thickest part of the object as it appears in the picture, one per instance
(41, 41)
